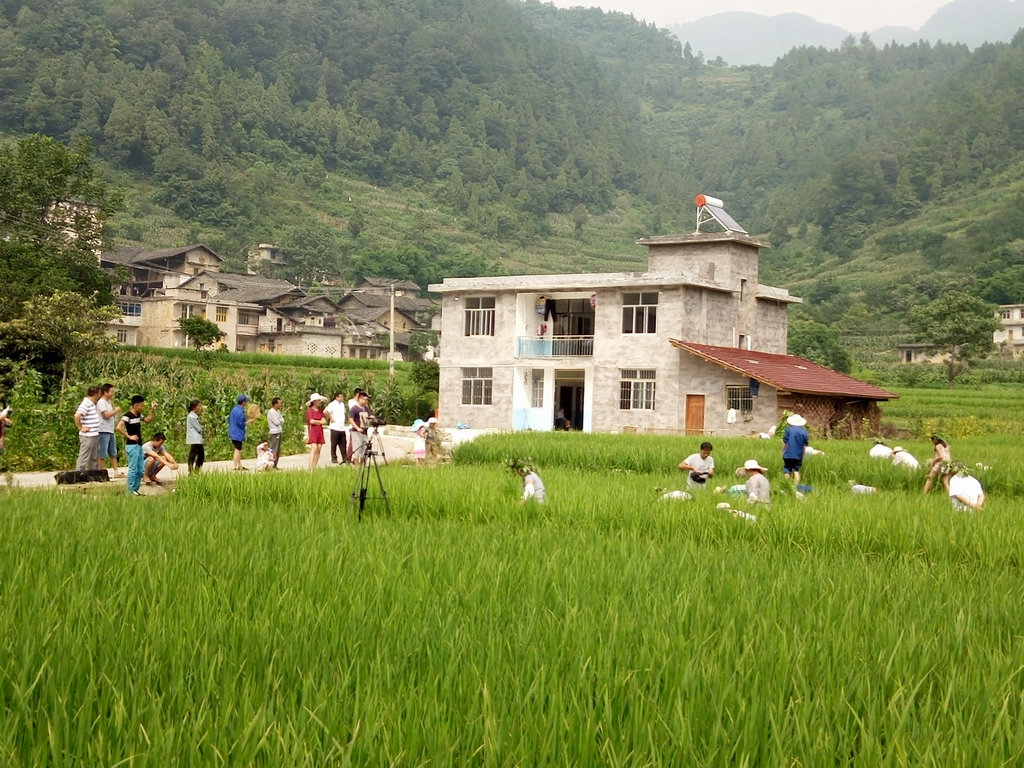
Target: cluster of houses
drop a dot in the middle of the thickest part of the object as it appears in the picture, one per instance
(260, 314)
(694, 345)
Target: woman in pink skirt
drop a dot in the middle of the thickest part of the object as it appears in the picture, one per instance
(315, 421)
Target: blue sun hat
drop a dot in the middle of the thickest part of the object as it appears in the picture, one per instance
(416, 424)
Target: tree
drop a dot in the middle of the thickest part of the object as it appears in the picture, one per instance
(66, 324)
(200, 331)
(579, 218)
(820, 343)
(53, 206)
(958, 324)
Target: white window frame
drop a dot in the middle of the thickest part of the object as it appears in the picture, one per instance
(537, 388)
(478, 316)
(637, 389)
(739, 396)
(130, 308)
(245, 317)
(640, 312)
(477, 386)
(122, 336)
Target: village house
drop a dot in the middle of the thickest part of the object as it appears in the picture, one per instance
(256, 314)
(1010, 334)
(695, 344)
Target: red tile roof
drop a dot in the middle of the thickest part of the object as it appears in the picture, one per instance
(787, 373)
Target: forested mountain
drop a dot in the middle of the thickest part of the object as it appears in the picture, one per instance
(441, 137)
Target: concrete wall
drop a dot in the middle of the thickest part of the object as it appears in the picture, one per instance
(699, 377)
(771, 329)
(731, 261)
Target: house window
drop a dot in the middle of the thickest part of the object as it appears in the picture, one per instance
(742, 341)
(222, 314)
(1022, 314)
(131, 309)
(743, 289)
(739, 397)
(188, 310)
(1005, 314)
(640, 313)
(480, 316)
(909, 356)
(477, 385)
(636, 390)
(537, 389)
(244, 318)
(122, 336)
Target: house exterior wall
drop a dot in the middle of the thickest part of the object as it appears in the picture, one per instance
(699, 377)
(1010, 334)
(770, 330)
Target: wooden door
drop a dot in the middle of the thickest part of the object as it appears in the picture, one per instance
(695, 414)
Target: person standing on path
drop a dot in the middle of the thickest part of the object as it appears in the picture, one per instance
(237, 423)
(275, 428)
(795, 439)
(359, 418)
(87, 419)
(108, 421)
(315, 420)
(130, 428)
(194, 437)
(338, 413)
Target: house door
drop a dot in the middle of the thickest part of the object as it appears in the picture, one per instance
(695, 414)
(569, 395)
(280, 324)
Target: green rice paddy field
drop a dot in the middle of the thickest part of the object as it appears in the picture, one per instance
(254, 621)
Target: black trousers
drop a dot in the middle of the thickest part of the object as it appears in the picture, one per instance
(196, 456)
(337, 441)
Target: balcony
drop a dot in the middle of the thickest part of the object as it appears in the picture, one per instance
(555, 346)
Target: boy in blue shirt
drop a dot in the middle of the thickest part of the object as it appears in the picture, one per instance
(237, 422)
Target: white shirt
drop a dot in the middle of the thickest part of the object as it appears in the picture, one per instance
(701, 466)
(880, 452)
(338, 414)
(967, 487)
(904, 459)
(106, 425)
(90, 418)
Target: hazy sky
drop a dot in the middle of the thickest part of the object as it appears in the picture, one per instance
(852, 15)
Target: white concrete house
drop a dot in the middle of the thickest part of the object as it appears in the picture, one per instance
(610, 350)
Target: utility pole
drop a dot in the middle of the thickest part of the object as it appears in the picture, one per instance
(391, 353)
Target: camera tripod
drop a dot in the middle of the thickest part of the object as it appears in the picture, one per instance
(360, 494)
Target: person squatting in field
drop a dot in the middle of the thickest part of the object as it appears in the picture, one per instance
(533, 486)
(701, 466)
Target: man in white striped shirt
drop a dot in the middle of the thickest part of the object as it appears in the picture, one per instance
(87, 419)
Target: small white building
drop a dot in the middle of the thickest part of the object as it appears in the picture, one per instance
(1010, 334)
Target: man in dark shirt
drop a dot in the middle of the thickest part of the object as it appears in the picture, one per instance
(359, 418)
(130, 428)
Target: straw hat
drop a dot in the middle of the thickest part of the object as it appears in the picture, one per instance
(431, 420)
(754, 464)
(897, 449)
(796, 420)
(316, 397)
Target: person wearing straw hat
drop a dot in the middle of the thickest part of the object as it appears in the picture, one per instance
(900, 458)
(433, 441)
(759, 490)
(794, 442)
(315, 421)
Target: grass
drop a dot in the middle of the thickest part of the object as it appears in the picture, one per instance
(252, 620)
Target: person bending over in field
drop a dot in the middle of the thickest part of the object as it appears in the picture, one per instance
(880, 450)
(941, 461)
(965, 492)
(700, 466)
(533, 486)
(264, 456)
(157, 457)
(900, 458)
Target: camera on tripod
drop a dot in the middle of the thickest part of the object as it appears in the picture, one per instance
(376, 421)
